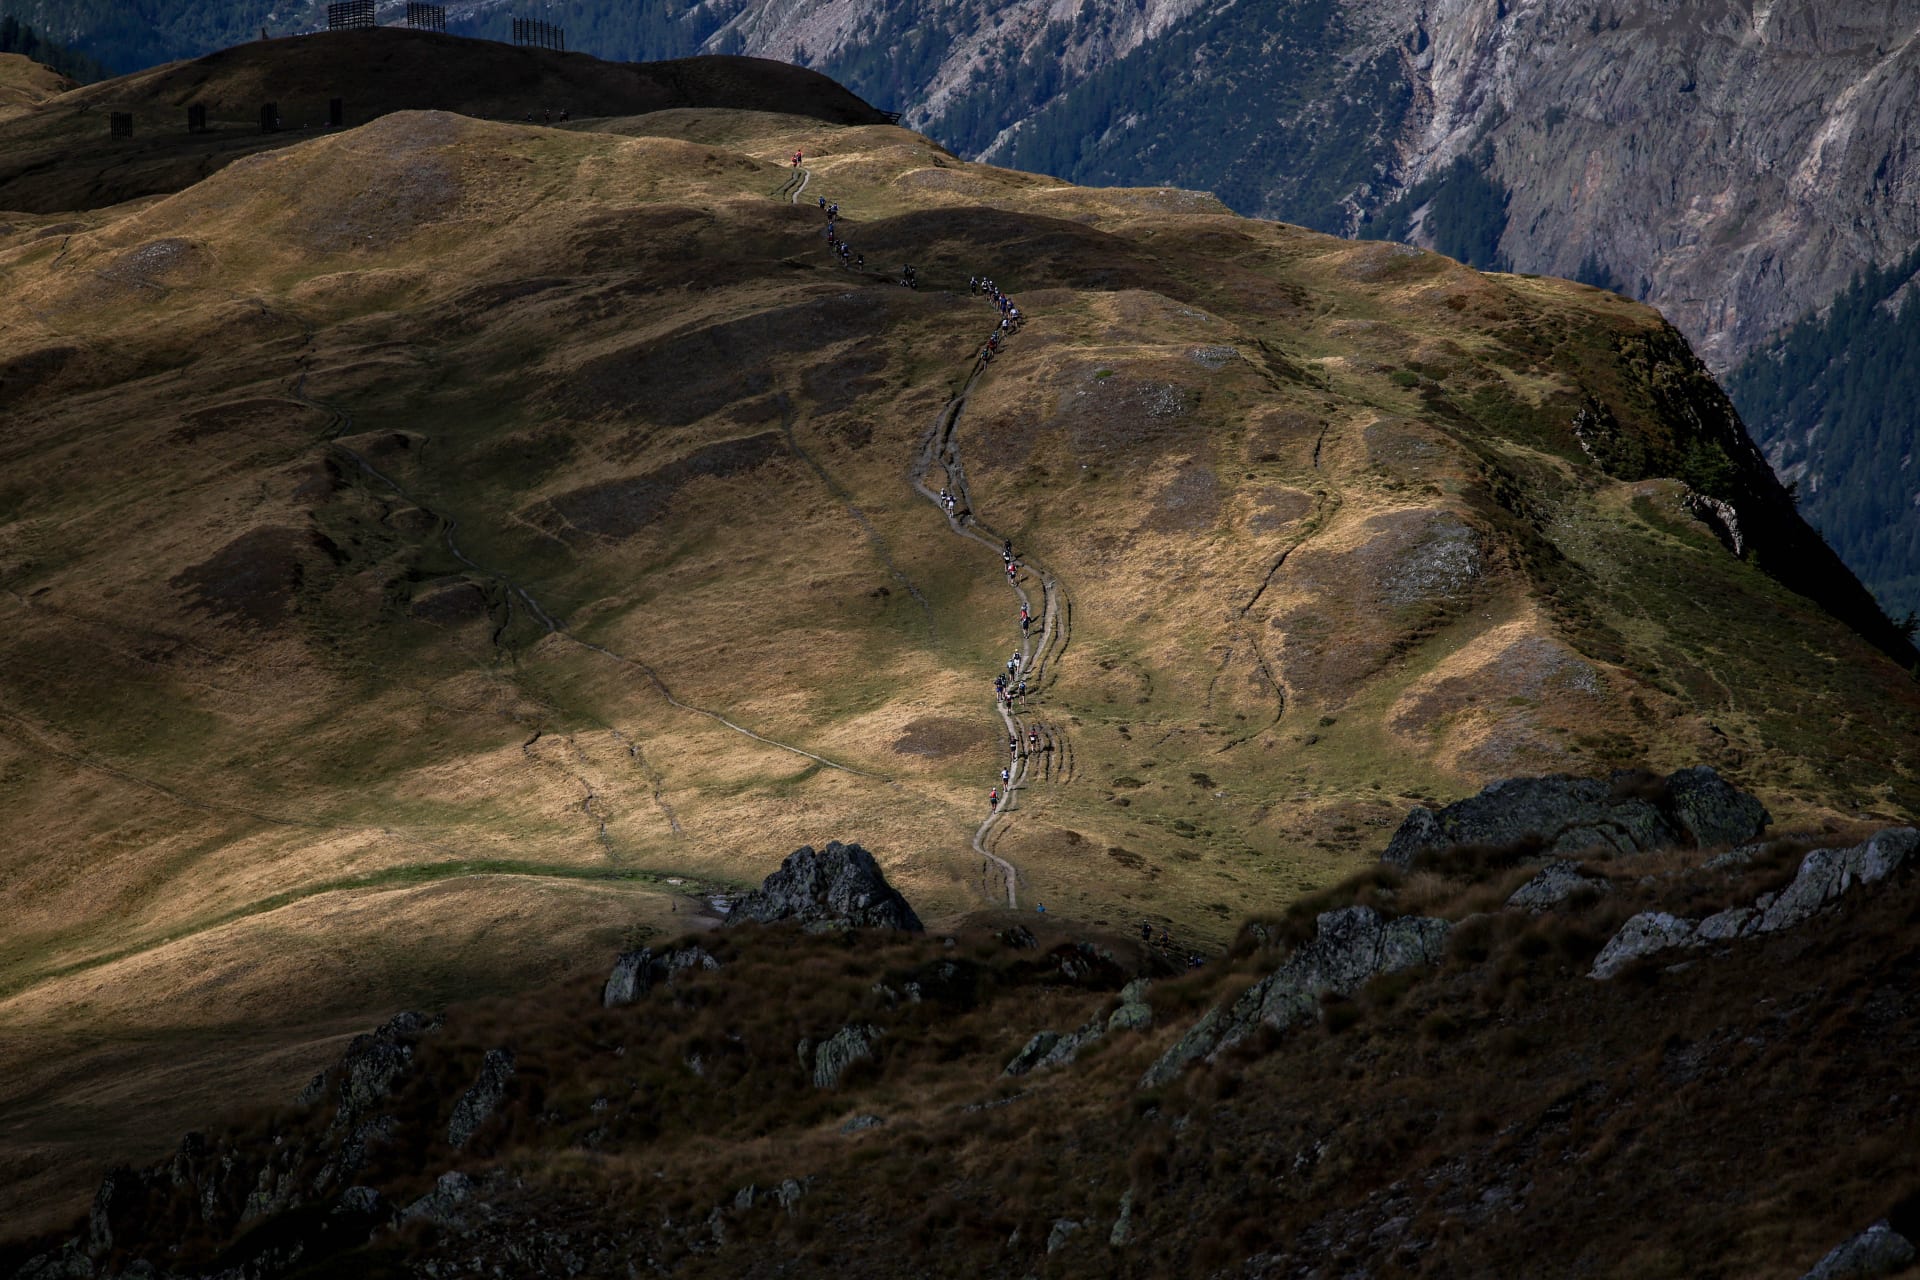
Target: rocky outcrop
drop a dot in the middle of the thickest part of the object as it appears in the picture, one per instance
(1877, 1251)
(1824, 876)
(370, 1069)
(1049, 1049)
(839, 887)
(1627, 813)
(1134, 1013)
(830, 1058)
(637, 972)
(1351, 946)
(1558, 883)
(478, 1103)
(1646, 934)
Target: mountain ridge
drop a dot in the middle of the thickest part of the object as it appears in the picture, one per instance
(432, 548)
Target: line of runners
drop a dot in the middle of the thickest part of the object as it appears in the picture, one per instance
(1011, 687)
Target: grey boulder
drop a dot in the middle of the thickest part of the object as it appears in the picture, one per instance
(478, 1103)
(840, 886)
(1049, 1049)
(832, 1056)
(1352, 946)
(637, 972)
(1825, 875)
(1557, 884)
(1643, 935)
(1564, 814)
(1877, 1251)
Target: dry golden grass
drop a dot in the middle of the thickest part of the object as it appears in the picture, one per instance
(273, 744)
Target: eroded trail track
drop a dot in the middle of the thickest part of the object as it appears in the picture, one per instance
(1034, 745)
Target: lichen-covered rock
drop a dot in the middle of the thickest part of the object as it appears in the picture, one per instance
(1877, 1251)
(1122, 1233)
(1562, 814)
(1709, 810)
(1036, 1051)
(832, 1056)
(840, 886)
(478, 1103)
(1642, 935)
(1351, 946)
(1557, 884)
(1048, 1049)
(1134, 1013)
(449, 1204)
(1825, 874)
(369, 1070)
(637, 972)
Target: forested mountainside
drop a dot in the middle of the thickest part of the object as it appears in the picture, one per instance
(18, 38)
(1833, 404)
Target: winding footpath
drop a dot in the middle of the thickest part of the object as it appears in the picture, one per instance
(1033, 745)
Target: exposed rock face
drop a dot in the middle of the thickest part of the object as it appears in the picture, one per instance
(1877, 1251)
(450, 1203)
(1134, 1013)
(1558, 882)
(1824, 875)
(1353, 945)
(372, 1065)
(839, 887)
(477, 1104)
(1567, 815)
(637, 972)
(1049, 1049)
(1643, 935)
(832, 1057)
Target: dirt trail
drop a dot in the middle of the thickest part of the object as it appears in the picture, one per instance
(1036, 657)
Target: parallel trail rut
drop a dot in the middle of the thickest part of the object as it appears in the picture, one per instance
(1038, 658)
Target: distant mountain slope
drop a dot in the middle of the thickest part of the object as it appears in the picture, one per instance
(1836, 405)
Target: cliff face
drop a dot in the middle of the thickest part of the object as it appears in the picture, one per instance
(1732, 163)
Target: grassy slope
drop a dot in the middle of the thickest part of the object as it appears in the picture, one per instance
(25, 83)
(251, 695)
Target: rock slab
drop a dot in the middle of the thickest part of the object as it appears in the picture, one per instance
(637, 972)
(1824, 876)
(478, 1103)
(1626, 813)
(832, 1056)
(1558, 883)
(1352, 946)
(1877, 1251)
(838, 887)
